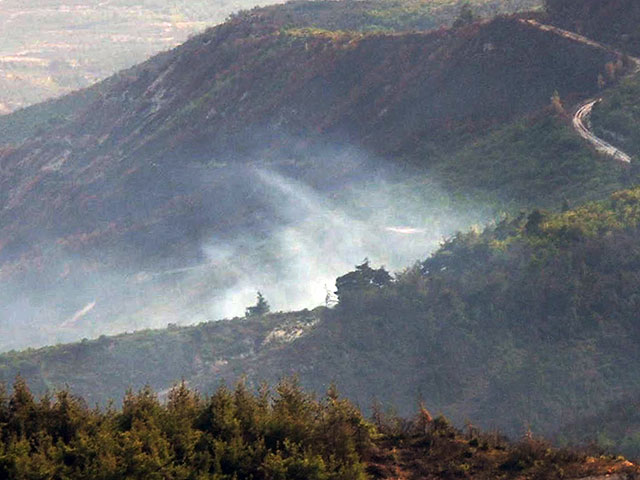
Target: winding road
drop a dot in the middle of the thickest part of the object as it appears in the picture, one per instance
(582, 125)
(581, 122)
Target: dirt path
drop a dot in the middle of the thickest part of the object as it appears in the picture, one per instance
(581, 123)
(579, 38)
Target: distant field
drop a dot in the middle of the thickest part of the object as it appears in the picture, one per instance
(52, 47)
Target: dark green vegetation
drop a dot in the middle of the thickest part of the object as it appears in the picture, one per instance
(536, 161)
(614, 22)
(615, 428)
(531, 322)
(260, 308)
(230, 435)
(616, 118)
(282, 435)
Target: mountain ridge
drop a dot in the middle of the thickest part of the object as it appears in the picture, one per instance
(144, 185)
(525, 324)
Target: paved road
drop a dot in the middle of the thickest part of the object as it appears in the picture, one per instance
(581, 122)
(582, 125)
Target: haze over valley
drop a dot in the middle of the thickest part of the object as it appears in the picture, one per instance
(431, 207)
(285, 237)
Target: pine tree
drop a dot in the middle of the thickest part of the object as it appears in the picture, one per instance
(362, 278)
(260, 308)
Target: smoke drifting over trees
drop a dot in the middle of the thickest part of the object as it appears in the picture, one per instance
(287, 230)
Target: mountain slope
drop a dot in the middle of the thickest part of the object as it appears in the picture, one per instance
(615, 428)
(125, 219)
(95, 369)
(617, 114)
(613, 21)
(531, 323)
(162, 170)
(535, 318)
(52, 48)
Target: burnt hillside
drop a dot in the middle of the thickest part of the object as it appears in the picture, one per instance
(611, 21)
(242, 88)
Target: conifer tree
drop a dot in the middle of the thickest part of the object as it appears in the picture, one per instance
(260, 308)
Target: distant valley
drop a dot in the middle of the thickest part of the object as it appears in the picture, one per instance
(51, 48)
(199, 153)
(438, 201)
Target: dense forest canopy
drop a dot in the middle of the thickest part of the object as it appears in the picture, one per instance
(284, 434)
(494, 324)
(491, 328)
(230, 435)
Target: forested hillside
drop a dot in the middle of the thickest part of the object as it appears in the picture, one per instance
(103, 369)
(528, 323)
(109, 210)
(617, 116)
(612, 21)
(535, 317)
(284, 434)
(615, 428)
(295, 140)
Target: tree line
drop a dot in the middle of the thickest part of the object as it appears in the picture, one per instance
(233, 434)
